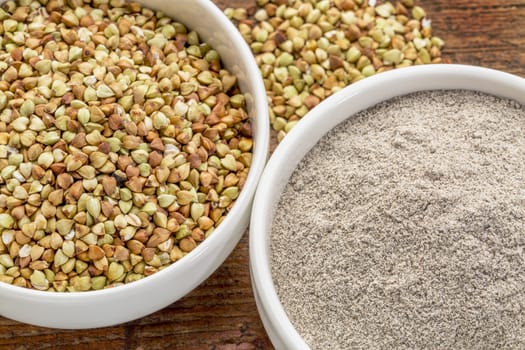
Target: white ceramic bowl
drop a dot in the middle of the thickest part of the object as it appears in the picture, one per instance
(306, 134)
(137, 299)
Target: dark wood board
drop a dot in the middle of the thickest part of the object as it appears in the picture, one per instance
(221, 313)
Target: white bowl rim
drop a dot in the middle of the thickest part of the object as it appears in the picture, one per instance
(322, 118)
(261, 135)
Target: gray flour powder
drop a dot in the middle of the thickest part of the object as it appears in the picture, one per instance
(404, 228)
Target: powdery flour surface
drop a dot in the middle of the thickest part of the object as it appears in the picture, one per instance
(404, 228)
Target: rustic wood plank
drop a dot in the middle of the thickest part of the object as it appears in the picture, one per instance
(483, 32)
(221, 313)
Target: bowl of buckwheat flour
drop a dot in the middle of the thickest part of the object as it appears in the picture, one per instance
(393, 216)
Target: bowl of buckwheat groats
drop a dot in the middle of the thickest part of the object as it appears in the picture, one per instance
(132, 137)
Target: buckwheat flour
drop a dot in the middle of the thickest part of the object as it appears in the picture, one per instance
(404, 228)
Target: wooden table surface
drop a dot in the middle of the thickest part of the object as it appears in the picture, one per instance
(221, 313)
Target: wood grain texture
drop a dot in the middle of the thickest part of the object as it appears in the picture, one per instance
(221, 313)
